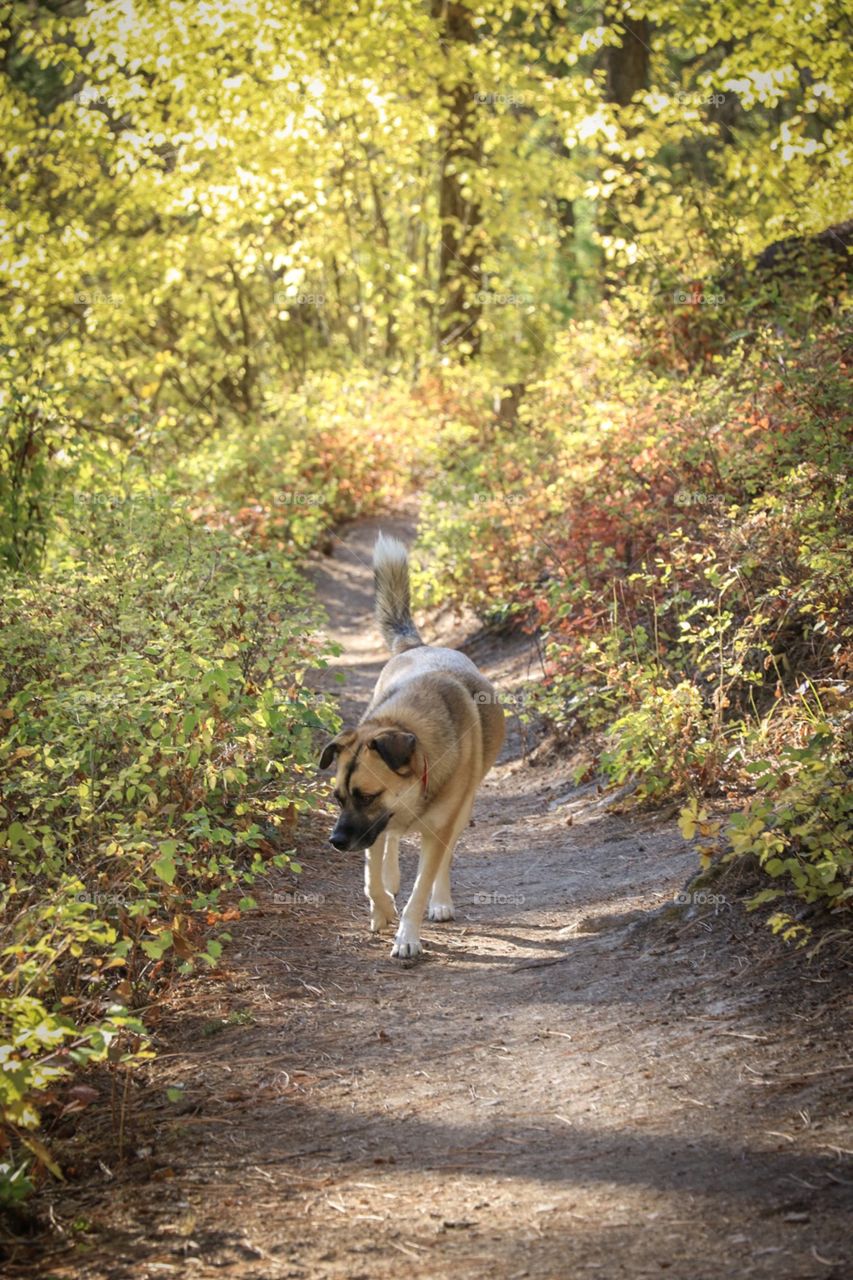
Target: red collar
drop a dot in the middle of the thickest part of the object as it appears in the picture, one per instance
(425, 775)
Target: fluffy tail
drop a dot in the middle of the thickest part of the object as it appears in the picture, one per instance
(393, 608)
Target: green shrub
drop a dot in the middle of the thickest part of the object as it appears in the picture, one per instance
(157, 744)
(681, 537)
(799, 828)
(664, 743)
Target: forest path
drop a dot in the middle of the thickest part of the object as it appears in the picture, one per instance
(563, 1086)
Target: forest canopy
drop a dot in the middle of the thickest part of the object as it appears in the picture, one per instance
(204, 201)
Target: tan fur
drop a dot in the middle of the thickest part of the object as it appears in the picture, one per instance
(439, 697)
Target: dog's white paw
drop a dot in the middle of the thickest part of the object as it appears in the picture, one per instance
(407, 944)
(383, 913)
(441, 910)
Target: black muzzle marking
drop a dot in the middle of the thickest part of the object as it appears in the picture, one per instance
(352, 831)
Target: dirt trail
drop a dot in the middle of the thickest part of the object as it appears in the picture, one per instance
(564, 1086)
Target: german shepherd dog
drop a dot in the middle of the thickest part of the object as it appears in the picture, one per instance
(431, 733)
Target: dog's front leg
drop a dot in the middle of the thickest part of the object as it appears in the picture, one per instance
(408, 940)
(441, 899)
(382, 909)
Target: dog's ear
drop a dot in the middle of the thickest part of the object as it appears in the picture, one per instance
(395, 747)
(333, 748)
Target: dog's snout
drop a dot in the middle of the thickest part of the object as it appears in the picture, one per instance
(358, 834)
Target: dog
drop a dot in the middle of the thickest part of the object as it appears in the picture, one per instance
(413, 764)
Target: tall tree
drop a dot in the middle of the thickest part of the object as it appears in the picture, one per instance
(628, 61)
(460, 249)
(627, 66)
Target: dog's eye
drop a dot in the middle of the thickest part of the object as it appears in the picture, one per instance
(362, 800)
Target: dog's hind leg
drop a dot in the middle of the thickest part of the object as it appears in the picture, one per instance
(441, 898)
(391, 863)
(382, 909)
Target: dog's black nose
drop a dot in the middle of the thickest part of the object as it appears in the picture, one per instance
(340, 842)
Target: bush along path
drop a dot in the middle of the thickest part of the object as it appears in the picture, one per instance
(592, 1071)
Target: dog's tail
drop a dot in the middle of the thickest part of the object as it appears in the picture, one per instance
(393, 607)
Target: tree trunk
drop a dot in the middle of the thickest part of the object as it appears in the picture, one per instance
(628, 62)
(460, 251)
(627, 68)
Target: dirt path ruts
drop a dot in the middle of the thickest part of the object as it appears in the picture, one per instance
(556, 1090)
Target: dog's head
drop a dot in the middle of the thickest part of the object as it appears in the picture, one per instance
(374, 782)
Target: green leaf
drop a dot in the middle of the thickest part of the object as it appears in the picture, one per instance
(165, 866)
